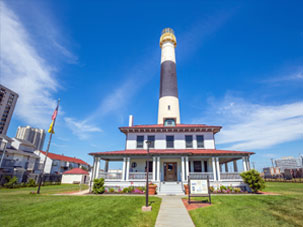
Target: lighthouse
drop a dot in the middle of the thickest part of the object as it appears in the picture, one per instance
(168, 110)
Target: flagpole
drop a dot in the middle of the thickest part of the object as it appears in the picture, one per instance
(47, 149)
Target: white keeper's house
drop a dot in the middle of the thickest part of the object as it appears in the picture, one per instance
(177, 151)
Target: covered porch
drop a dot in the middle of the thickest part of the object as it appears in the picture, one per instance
(222, 169)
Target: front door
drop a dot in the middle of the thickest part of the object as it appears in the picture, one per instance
(170, 171)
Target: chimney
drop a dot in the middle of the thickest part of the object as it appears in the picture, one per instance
(131, 121)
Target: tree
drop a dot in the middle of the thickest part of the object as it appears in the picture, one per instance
(98, 187)
(253, 179)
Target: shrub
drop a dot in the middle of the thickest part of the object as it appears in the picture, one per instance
(230, 188)
(125, 190)
(111, 190)
(212, 189)
(98, 187)
(13, 183)
(253, 179)
(237, 190)
(31, 183)
(222, 187)
(131, 188)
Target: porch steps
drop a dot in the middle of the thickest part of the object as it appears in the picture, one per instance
(171, 188)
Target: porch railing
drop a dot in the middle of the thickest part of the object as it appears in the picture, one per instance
(111, 176)
(202, 175)
(139, 176)
(230, 176)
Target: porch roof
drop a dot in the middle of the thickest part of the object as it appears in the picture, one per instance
(172, 152)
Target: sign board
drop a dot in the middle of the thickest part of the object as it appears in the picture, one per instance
(198, 187)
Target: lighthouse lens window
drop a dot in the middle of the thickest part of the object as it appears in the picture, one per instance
(169, 122)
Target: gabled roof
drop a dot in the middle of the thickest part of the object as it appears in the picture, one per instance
(64, 158)
(76, 171)
(177, 128)
(172, 152)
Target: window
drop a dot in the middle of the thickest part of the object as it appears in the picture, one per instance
(200, 141)
(169, 141)
(152, 140)
(189, 141)
(197, 166)
(205, 166)
(150, 166)
(169, 122)
(140, 140)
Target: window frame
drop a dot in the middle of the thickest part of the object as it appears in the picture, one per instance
(194, 166)
(152, 144)
(137, 144)
(203, 145)
(167, 141)
(191, 145)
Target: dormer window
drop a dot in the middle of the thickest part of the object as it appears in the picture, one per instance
(170, 122)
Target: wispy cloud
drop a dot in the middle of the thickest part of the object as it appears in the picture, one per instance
(82, 129)
(24, 71)
(294, 76)
(248, 126)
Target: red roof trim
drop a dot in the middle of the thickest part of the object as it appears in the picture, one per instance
(64, 158)
(76, 171)
(172, 152)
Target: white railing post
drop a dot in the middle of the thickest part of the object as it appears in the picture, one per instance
(182, 169)
(214, 168)
(123, 169)
(154, 168)
(158, 169)
(218, 169)
(127, 168)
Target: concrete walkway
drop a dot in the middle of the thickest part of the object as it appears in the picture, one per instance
(173, 213)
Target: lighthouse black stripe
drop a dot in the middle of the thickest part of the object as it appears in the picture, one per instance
(168, 83)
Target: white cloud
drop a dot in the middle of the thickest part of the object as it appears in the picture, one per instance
(248, 126)
(25, 72)
(295, 76)
(82, 129)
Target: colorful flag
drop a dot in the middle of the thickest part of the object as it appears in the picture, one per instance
(54, 116)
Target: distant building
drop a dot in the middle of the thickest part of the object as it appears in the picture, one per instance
(18, 159)
(35, 136)
(75, 176)
(271, 172)
(8, 100)
(289, 163)
(57, 164)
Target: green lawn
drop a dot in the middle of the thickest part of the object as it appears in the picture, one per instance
(255, 210)
(19, 208)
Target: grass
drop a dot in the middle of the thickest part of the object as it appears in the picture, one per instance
(255, 210)
(19, 208)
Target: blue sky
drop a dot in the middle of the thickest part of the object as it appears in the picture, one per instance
(239, 65)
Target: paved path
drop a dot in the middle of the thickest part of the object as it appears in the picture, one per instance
(173, 213)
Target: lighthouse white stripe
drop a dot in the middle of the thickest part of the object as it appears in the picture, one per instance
(168, 52)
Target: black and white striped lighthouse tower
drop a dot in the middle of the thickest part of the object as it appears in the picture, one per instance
(168, 112)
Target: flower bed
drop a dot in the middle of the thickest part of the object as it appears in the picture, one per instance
(127, 190)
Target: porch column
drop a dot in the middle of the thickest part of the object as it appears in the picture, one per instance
(191, 166)
(127, 168)
(226, 167)
(187, 168)
(154, 168)
(214, 168)
(92, 177)
(235, 166)
(123, 169)
(218, 169)
(247, 163)
(106, 166)
(97, 168)
(158, 169)
(182, 169)
(244, 164)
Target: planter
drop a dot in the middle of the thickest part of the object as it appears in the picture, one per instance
(186, 189)
(152, 189)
